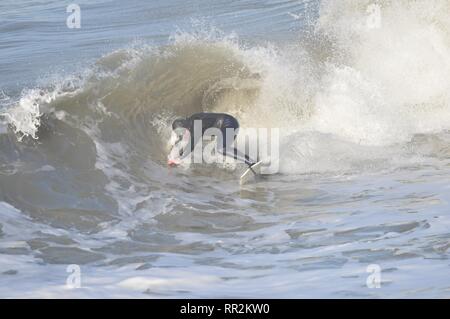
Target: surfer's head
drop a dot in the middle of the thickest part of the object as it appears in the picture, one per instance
(179, 123)
(180, 139)
(180, 129)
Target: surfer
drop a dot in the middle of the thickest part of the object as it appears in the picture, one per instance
(184, 131)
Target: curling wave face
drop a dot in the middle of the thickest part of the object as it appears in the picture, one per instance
(359, 84)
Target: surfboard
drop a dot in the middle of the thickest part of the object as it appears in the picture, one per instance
(251, 173)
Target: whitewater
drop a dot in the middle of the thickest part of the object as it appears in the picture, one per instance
(359, 90)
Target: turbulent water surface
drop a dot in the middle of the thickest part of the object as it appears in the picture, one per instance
(359, 89)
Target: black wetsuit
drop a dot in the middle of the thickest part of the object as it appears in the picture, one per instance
(222, 122)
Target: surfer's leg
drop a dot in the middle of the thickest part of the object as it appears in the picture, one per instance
(235, 154)
(228, 150)
(242, 157)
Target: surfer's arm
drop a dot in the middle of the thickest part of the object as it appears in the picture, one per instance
(186, 150)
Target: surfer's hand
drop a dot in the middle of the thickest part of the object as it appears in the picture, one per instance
(173, 163)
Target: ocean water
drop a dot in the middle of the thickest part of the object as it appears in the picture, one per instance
(359, 89)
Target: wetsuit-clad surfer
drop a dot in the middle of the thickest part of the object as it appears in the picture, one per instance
(219, 121)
